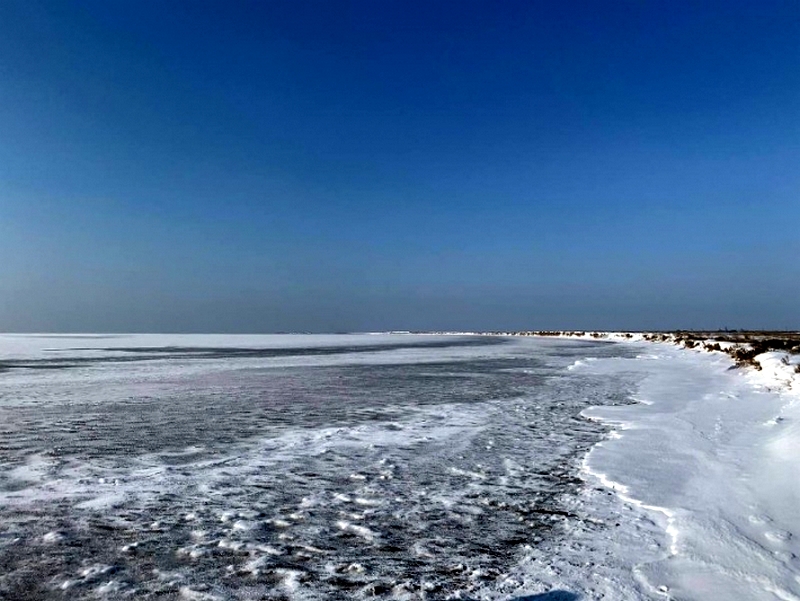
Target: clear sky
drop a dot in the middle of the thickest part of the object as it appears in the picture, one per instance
(340, 166)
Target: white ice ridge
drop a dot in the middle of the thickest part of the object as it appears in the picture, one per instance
(622, 492)
(713, 459)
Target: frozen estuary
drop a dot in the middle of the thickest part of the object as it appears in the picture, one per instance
(378, 466)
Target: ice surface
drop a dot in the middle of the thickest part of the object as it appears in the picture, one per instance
(329, 467)
(390, 466)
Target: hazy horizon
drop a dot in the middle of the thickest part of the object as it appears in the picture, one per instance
(329, 167)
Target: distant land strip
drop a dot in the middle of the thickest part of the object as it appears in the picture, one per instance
(743, 346)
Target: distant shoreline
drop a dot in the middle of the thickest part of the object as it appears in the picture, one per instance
(742, 345)
(774, 353)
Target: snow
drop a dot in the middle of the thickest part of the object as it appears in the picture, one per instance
(712, 458)
(24, 346)
(691, 493)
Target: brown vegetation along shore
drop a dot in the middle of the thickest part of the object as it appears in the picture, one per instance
(743, 346)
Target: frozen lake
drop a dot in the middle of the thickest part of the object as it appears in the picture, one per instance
(289, 466)
(390, 466)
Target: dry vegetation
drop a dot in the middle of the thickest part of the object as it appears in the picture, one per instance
(742, 345)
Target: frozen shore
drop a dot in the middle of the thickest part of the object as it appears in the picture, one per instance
(399, 466)
(709, 453)
(776, 355)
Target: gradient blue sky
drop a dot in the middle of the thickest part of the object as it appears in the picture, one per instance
(333, 166)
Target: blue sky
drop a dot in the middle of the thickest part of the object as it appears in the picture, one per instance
(340, 166)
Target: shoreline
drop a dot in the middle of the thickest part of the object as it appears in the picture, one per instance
(769, 358)
(690, 494)
(708, 452)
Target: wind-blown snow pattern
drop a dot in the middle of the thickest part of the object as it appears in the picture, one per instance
(389, 466)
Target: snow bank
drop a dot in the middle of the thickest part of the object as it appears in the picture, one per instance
(711, 456)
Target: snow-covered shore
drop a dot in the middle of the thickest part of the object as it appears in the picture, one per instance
(691, 495)
(770, 367)
(710, 454)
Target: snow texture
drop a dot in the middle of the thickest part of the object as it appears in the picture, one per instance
(394, 466)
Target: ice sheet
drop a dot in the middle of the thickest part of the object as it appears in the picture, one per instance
(394, 466)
